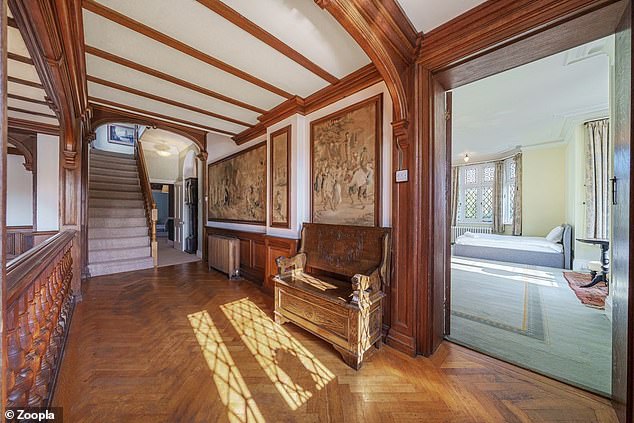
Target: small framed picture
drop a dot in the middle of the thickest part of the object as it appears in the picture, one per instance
(121, 134)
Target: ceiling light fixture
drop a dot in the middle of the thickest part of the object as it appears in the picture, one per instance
(466, 157)
(163, 150)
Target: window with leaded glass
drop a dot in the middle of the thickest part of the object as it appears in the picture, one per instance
(475, 199)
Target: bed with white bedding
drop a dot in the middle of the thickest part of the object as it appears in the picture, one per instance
(550, 251)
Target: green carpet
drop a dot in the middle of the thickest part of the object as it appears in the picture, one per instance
(528, 315)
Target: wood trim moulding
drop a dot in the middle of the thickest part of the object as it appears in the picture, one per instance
(28, 99)
(354, 82)
(155, 35)
(158, 116)
(30, 112)
(266, 37)
(39, 127)
(103, 115)
(171, 102)
(169, 78)
(25, 82)
(11, 22)
(20, 58)
(488, 25)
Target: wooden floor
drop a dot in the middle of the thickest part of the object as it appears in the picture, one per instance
(179, 344)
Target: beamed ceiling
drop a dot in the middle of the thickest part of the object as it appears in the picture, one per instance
(212, 65)
(26, 100)
(209, 64)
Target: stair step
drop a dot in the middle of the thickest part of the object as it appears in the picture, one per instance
(117, 222)
(99, 164)
(116, 195)
(111, 254)
(114, 212)
(101, 233)
(94, 171)
(105, 153)
(122, 242)
(122, 204)
(107, 186)
(120, 266)
(126, 180)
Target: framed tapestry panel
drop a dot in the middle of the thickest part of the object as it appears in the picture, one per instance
(346, 165)
(237, 187)
(279, 203)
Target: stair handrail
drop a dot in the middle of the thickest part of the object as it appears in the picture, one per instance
(151, 213)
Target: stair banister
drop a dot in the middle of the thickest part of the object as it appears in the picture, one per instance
(150, 206)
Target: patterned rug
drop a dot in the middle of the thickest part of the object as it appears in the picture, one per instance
(592, 297)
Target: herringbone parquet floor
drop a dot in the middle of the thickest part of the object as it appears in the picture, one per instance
(179, 344)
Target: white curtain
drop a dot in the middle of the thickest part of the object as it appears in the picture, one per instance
(517, 206)
(498, 200)
(598, 171)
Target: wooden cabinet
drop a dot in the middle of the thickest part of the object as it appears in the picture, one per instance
(258, 252)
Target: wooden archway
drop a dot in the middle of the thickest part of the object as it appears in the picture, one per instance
(103, 115)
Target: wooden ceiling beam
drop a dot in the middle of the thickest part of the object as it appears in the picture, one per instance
(19, 58)
(25, 82)
(30, 112)
(27, 99)
(159, 116)
(28, 125)
(169, 78)
(145, 30)
(154, 97)
(266, 37)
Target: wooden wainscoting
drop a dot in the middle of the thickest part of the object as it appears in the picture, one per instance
(258, 252)
(19, 240)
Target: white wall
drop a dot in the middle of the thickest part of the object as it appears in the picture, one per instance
(162, 169)
(19, 192)
(48, 157)
(219, 147)
(101, 142)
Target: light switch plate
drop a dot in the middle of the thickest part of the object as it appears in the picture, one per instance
(401, 175)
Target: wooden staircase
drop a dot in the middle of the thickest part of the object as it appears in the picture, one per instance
(118, 234)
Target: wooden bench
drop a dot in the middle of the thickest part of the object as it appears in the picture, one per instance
(334, 286)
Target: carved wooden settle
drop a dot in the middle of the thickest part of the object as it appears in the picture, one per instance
(334, 287)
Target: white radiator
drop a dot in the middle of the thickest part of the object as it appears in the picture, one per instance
(224, 255)
(456, 231)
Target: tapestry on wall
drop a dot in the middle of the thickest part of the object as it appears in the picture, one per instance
(237, 187)
(345, 166)
(280, 177)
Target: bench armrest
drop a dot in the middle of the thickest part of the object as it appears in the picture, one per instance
(287, 265)
(363, 286)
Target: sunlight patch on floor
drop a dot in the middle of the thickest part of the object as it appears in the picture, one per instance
(519, 274)
(232, 389)
(265, 339)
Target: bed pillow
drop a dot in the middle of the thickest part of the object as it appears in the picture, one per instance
(556, 234)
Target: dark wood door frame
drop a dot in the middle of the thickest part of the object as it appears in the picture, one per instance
(3, 195)
(593, 24)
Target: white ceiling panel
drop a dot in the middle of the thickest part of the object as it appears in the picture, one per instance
(20, 104)
(23, 90)
(153, 137)
(114, 72)
(22, 70)
(15, 43)
(32, 118)
(308, 29)
(532, 104)
(426, 15)
(200, 28)
(107, 93)
(109, 36)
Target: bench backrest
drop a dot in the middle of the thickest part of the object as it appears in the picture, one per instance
(346, 250)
